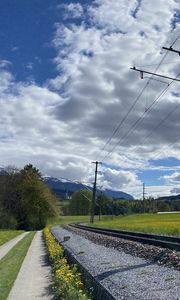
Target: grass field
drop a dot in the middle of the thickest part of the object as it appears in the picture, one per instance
(6, 235)
(11, 263)
(153, 223)
(71, 219)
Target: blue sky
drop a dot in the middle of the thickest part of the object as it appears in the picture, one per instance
(66, 86)
(26, 34)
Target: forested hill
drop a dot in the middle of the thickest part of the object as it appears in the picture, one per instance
(65, 189)
(176, 197)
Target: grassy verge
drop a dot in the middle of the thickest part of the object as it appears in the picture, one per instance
(67, 281)
(6, 235)
(11, 263)
(70, 219)
(167, 224)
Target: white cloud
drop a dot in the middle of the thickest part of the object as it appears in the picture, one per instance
(117, 179)
(100, 88)
(72, 10)
(173, 178)
(5, 63)
(154, 191)
(61, 131)
(29, 66)
(175, 190)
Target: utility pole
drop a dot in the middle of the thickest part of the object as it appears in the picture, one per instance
(144, 191)
(144, 188)
(94, 191)
(99, 204)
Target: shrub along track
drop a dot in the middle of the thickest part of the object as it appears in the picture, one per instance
(158, 254)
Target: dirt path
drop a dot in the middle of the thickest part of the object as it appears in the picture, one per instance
(34, 278)
(5, 248)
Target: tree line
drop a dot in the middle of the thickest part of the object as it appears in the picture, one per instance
(80, 204)
(25, 200)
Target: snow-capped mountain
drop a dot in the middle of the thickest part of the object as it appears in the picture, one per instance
(64, 188)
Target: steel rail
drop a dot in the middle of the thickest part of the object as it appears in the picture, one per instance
(169, 242)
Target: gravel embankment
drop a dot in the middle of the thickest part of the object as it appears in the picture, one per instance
(125, 276)
(159, 255)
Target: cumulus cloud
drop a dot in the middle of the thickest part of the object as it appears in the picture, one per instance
(72, 10)
(63, 125)
(117, 179)
(175, 191)
(173, 178)
(5, 63)
(99, 88)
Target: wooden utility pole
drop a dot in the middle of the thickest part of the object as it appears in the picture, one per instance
(144, 196)
(143, 191)
(94, 192)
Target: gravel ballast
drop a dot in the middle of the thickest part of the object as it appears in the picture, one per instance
(162, 256)
(125, 276)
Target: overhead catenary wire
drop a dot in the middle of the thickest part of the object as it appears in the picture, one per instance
(136, 100)
(175, 40)
(133, 104)
(140, 118)
(85, 186)
(155, 64)
(162, 122)
(77, 181)
(158, 125)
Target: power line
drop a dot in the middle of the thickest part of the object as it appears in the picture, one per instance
(168, 145)
(151, 65)
(162, 121)
(142, 116)
(77, 181)
(138, 120)
(125, 117)
(158, 125)
(131, 128)
(175, 40)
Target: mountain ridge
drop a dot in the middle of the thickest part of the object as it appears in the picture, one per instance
(64, 189)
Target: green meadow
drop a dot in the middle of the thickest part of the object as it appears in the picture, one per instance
(152, 223)
(10, 265)
(167, 224)
(6, 235)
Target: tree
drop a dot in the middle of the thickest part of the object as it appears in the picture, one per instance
(25, 199)
(80, 202)
(104, 203)
(37, 201)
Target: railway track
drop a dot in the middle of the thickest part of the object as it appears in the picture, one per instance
(145, 238)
